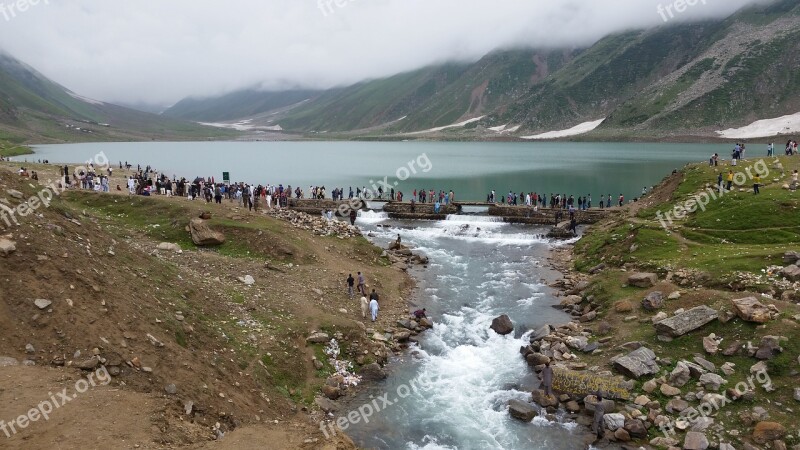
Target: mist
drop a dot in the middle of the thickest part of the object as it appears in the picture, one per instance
(158, 52)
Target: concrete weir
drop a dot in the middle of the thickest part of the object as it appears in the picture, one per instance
(557, 218)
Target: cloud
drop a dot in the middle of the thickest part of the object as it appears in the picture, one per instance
(159, 51)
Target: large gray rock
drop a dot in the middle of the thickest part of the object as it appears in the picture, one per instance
(372, 372)
(636, 428)
(705, 364)
(318, 338)
(712, 381)
(695, 441)
(521, 410)
(537, 359)
(590, 402)
(614, 421)
(326, 404)
(539, 397)
(791, 272)
(7, 247)
(502, 325)
(541, 333)
(169, 246)
(7, 361)
(653, 301)
(643, 280)
(750, 309)
(203, 235)
(637, 363)
(769, 347)
(88, 364)
(680, 375)
(686, 321)
(711, 344)
(42, 303)
(791, 257)
(676, 405)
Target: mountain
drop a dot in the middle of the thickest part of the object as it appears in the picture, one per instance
(35, 109)
(687, 79)
(428, 97)
(245, 103)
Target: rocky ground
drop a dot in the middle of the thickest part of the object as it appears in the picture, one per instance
(701, 358)
(223, 344)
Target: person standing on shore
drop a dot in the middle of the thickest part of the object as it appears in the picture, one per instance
(756, 184)
(547, 379)
(730, 179)
(599, 413)
(373, 305)
(350, 282)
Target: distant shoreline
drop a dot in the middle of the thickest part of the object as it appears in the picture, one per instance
(681, 138)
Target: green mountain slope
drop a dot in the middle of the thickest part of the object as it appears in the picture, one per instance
(747, 72)
(35, 109)
(246, 103)
(424, 98)
(678, 79)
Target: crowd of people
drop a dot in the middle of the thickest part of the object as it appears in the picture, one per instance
(557, 201)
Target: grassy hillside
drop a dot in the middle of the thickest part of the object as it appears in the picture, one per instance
(730, 249)
(35, 109)
(238, 352)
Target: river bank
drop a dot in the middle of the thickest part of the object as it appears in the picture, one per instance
(700, 332)
(231, 325)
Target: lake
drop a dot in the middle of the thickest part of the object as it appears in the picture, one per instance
(470, 169)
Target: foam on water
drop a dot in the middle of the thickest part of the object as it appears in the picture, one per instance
(463, 218)
(495, 233)
(366, 216)
(469, 372)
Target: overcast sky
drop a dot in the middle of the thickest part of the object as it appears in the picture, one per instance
(159, 51)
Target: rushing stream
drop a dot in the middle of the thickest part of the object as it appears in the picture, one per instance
(462, 374)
